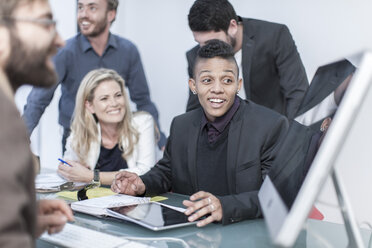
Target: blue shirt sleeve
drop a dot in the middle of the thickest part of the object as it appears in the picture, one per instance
(40, 98)
(139, 91)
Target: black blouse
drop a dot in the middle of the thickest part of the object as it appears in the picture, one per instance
(111, 159)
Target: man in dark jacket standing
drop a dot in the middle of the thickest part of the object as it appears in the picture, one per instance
(271, 67)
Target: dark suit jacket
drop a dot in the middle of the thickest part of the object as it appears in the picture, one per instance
(299, 146)
(293, 161)
(273, 73)
(17, 188)
(326, 80)
(252, 138)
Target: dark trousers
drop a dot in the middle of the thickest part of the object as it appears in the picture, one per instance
(66, 133)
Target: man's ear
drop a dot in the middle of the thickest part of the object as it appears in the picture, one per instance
(111, 15)
(325, 124)
(192, 86)
(240, 83)
(89, 107)
(233, 28)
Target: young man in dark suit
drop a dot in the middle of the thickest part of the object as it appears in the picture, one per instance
(272, 71)
(218, 154)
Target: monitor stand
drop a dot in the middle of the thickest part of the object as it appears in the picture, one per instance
(352, 230)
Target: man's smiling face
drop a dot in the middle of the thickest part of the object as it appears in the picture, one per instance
(216, 83)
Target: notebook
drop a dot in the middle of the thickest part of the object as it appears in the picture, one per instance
(99, 206)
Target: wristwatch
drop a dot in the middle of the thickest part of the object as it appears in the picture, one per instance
(96, 182)
(82, 193)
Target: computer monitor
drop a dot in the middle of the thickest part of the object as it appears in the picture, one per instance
(286, 209)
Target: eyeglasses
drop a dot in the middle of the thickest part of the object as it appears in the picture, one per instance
(47, 23)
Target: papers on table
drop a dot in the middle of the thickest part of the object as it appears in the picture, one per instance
(53, 182)
(98, 206)
(78, 236)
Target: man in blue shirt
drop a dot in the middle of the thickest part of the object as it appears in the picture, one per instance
(94, 47)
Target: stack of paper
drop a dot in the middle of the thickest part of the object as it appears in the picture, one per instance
(98, 206)
(48, 181)
(53, 182)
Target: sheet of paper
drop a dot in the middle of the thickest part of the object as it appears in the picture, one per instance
(48, 180)
(78, 236)
(111, 201)
(158, 198)
(52, 181)
(98, 206)
(173, 207)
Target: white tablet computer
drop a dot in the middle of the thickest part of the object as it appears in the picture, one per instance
(151, 215)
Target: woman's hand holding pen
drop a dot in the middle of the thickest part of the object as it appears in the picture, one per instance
(75, 172)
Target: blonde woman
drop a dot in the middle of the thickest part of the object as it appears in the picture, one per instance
(106, 137)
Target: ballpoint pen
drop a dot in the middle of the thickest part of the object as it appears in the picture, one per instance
(64, 162)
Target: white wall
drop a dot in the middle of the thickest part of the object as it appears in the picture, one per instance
(323, 30)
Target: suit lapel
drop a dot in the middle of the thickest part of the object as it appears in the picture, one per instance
(192, 146)
(247, 53)
(233, 147)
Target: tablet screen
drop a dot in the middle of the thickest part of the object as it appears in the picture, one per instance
(151, 215)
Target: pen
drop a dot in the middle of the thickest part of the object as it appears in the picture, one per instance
(64, 162)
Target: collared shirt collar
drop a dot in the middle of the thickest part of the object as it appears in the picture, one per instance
(220, 123)
(85, 44)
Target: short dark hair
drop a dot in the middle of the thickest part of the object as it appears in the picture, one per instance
(112, 4)
(215, 48)
(211, 15)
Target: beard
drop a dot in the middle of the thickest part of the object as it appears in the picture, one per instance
(232, 41)
(29, 65)
(100, 26)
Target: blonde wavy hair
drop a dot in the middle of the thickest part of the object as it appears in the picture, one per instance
(84, 124)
